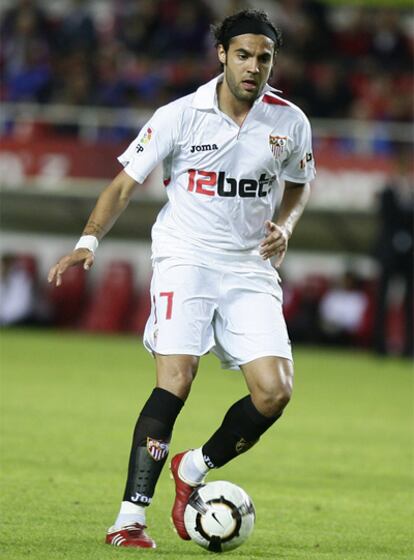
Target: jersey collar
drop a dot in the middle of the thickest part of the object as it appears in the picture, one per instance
(205, 97)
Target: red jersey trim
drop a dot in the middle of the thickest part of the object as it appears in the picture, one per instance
(274, 100)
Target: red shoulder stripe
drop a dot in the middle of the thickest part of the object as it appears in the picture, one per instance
(274, 100)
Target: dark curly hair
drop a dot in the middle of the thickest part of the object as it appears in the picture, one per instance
(220, 30)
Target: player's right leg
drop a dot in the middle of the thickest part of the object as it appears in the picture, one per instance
(150, 445)
(178, 332)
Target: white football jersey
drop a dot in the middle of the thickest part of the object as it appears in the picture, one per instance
(222, 180)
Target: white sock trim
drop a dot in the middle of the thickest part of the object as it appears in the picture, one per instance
(129, 513)
(199, 462)
(128, 507)
(193, 468)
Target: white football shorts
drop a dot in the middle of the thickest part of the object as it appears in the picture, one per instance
(235, 314)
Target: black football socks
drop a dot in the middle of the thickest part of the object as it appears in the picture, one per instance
(150, 445)
(241, 428)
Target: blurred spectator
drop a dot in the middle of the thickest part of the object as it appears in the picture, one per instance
(329, 95)
(341, 311)
(26, 44)
(77, 32)
(389, 45)
(342, 61)
(16, 292)
(307, 29)
(137, 26)
(301, 303)
(184, 29)
(353, 38)
(395, 250)
(74, 80)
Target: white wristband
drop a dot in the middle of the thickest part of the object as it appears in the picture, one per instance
(87, 242)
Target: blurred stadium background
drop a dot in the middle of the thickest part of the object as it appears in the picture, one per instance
(79, 79)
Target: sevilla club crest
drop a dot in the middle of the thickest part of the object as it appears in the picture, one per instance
(277, 145)
(157, 449)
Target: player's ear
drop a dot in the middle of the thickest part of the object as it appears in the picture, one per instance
(221, 53)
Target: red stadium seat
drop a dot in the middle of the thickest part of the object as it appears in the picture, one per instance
(110, 307)
(68, 300)
(140, 312)
(28, 263)
(291, 301)
(315, 286)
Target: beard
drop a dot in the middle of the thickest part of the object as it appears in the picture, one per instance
(235, 87)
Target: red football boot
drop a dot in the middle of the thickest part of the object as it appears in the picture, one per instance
(130, 535)
(183, 490)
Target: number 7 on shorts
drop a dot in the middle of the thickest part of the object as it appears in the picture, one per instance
(169, 296)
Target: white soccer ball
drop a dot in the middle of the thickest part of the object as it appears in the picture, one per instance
(219, 516)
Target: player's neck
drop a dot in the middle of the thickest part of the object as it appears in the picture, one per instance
(234, 108)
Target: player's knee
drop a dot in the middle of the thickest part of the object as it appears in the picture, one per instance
(282, 397)
(272, 403)
(182, 376)
(272, 397)
(176, 374)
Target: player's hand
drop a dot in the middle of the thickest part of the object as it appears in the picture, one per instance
(78, 256)
(275, 243)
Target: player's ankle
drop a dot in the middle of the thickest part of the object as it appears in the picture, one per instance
(129, 513)
(193, 468)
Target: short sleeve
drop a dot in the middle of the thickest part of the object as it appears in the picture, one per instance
(154, 143)
(299, 167)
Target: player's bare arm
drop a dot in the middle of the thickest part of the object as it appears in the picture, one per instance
(295, 198)
(110, 204)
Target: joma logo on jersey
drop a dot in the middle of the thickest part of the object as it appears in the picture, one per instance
(204, 148)
(211, 183)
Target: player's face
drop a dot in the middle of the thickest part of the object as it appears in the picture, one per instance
(247, 65)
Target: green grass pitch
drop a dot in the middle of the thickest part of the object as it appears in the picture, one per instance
(332, 480)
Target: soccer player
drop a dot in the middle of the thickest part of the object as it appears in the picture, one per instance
(226, 151)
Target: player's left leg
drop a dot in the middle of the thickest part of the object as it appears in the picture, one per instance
(269, 380)
(258, 343)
